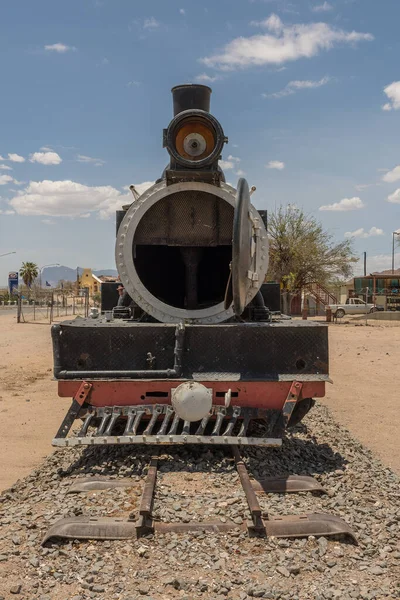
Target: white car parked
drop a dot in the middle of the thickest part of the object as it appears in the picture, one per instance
(353, 306)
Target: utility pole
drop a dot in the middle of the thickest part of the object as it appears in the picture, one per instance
(393, 234)
(365, 264)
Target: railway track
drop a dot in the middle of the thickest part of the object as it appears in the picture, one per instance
(141, 522)
(198, 484)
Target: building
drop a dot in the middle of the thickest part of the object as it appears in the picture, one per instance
(382, 287)
(88, 280)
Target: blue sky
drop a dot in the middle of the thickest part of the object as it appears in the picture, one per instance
(308, 92)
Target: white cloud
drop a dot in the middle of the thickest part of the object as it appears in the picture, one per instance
(48, 221)
(273, 23)
(275, 164)
(363, 186)
(7, 212)
(45, 158)
(16, 158)
(377, 263)
(46, 149)
(68, 199)
(360, 233)
(344, 205)
(392, 91)
(134, 83)
(6, 179)
(97, 162)
(293, 86)
(395, 197)
(325, 7)
(230, 163)
(240, 173)
(281, 44)
(393, 175)
(204, 78)
(226, 165)
(182, 11)
(59, 47)
(151, 23)
(1, 158)
(5, 168)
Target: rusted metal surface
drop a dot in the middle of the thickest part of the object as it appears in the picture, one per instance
(92, 528)
(146, 502)
(212, 526)
(141, 523)
(251, 497)
(77, 402)
(159, 424)
(107, 528)
(91, 484)
(294, 395)
(166, 440)
(297, 526)
(257, 394)
(287, 485)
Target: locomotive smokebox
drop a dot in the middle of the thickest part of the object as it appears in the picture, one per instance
(191, 96)
(192, 248)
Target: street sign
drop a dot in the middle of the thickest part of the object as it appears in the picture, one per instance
(13, 283)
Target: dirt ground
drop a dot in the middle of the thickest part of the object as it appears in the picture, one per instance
(364, 397)
(30, 410)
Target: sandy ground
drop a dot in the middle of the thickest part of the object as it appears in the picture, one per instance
(364, 398)
(30, 410)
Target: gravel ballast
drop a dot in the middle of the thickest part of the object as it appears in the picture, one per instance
(199, 483)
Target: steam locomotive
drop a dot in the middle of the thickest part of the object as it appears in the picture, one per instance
(198, 357)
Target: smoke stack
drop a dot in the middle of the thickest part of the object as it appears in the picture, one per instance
(191, 96)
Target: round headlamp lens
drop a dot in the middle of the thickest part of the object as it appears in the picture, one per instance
(194, 140)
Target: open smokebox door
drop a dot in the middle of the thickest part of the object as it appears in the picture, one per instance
(243, 275)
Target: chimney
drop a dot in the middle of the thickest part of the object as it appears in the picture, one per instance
(191, 96)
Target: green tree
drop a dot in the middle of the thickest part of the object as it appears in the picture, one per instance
(96, 298)
(301, 252)
(29, 271)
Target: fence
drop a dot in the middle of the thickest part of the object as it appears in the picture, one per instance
(50, 307)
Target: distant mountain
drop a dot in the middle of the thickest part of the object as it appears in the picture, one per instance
(108, 272)
(54, 274)
(387, 272)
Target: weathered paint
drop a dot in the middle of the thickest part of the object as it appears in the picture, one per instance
(257, 394)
